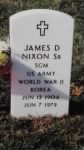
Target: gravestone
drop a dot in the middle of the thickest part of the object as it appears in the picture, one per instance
(41, 51)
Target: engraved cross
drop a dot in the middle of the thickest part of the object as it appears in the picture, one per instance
(42, 26)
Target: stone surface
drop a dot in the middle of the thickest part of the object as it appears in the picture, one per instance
(41, 44)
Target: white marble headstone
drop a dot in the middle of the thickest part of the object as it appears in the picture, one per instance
(41, 50)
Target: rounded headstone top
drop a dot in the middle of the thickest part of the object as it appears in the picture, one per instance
(47, 11)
